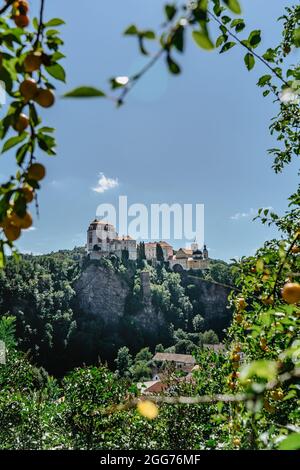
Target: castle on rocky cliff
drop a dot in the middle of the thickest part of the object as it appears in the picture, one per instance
(103, 240)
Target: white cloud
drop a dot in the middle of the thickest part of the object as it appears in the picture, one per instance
(245, 215)
(104, 184)
(30, 229)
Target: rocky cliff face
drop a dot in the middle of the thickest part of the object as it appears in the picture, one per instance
(100, 291)
(103, 293)
(212, 299)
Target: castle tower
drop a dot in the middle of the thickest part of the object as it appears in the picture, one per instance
(194, 245)
(205, 252)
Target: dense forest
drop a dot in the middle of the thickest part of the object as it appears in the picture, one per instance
(39, 292)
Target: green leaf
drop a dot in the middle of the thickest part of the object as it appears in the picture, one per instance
(21, 153)
(85, 92)
(249, 61)
(35, 23)
(57, 71)
(14, 141)
(173, 66)
(238, 24)
(170, 11)
(203, 40)
(234, 6)
(270, 55)
(220, 40)
(54, 22)
(264, 80)
(254, 38)
(292, 442)
(178, 39)
(227, 46)
(296, 37)
(131, 31)
(148, 34)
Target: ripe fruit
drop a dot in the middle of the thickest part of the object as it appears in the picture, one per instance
(28, 89)
(277, 395)
(45, 98)
(231, 385)
(268, 407)
(237, 348)
(241, 303)
(296, 249)
(147, 409)
(26, 221)
(268, 300)
(236, 441)
(236, 357)
(46, 59)
(33, 62)
(28, 194)
(21, 123)
(22, 6)
(239, 318)
(21, 21)
(235, 375)
(12, 232)
(263, 343)
(36, 172)
(291, 292)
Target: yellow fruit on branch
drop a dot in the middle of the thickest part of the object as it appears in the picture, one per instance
(277, 395)
(296, 249)
(45, 98)
(28, 194)
(36, 172)
(268, 300)
(263, 344)
(22, 122)
(241, 303)
(236, 442)
(148, 409)
(33, 62)
(12, 232)
(236, 357)
(26, 221)
(21, 21)
(291, 292)
(22, 6)
(231, 385)
(28, 89)
(239, 318)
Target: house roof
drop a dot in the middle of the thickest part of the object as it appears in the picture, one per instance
(172, 357)
(161, 243)
(166, 244)
(125, 237)
(185, 251)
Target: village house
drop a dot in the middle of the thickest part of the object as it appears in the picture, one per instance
(180, 362)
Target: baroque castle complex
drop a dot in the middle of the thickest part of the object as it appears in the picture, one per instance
(103, 241)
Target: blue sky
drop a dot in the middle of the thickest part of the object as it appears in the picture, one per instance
(201, 137)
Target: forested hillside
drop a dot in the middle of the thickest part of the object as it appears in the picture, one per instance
(68, 314)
